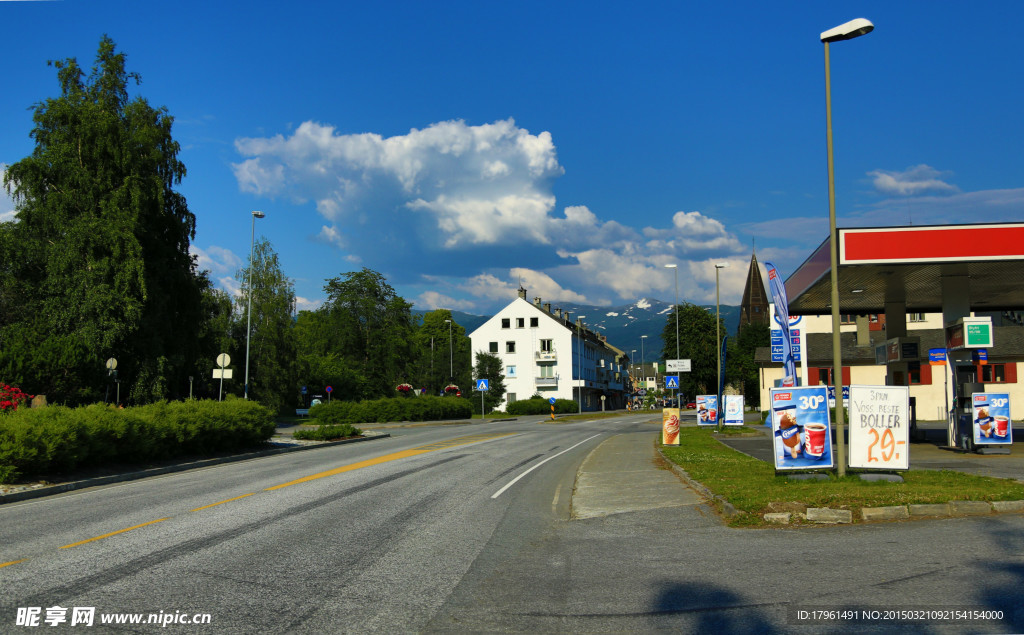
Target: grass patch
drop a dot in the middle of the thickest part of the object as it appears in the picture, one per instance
(750, 485)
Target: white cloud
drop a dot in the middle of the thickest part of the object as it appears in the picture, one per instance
(229, 284)
(916, 180)
(474, 184)
(692, 232)
(431, 300)
(305, 304)
(216, 260)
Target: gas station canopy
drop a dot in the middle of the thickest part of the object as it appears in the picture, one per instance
(907, 264)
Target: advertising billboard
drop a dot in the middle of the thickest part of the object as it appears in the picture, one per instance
(802, 428)
(707, 410)
(880, 427)
(992, 418)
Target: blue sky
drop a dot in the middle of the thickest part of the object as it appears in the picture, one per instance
(460, 147)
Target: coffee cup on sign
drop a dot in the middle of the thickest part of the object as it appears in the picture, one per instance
(1002, 426)
(814, 440)
(785, 419)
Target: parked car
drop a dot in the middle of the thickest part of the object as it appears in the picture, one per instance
(690, 405)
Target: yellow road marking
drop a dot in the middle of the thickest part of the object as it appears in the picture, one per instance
(221, 503)
(423, 449)
(7, 564)
(113, 533)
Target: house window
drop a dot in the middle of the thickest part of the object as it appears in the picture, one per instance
(494, 347)
(510, 347)
(545, 371)
(510, 397)
(919, 374)
(520, 323)
(534, 322)
(546, 346)
(915, 317)
(506, 323)
(510, 371)
(993, 373)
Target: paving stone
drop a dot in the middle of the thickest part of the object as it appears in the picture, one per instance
(970, 507)
(929, 509)
(828, 515)
(1008, 506)
(898, 512)
(781, 518)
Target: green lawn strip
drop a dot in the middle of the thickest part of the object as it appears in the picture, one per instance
(750, 485)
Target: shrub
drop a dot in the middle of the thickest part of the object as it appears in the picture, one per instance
(59, 439)
(541, 406)
(329, 432)
(422, 408)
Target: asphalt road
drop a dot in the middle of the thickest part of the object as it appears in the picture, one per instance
(469, 529)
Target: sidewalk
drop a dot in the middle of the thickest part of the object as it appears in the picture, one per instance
(625, 474)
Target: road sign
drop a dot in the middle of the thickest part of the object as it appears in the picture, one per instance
(677, 365)
(551, 401)
(672, 382)
(483, 384)
(328, 389)
(223, 360)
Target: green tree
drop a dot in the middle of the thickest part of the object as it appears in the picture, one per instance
(372, 327)
(96, 264)
(741, 368)
(488, 366)
(696, 343)
(442, 351)
(272, 377)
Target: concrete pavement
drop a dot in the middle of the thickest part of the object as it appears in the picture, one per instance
(625, 473)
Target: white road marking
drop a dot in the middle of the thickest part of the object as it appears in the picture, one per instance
(516, 479)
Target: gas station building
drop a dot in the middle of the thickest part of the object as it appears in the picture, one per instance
(935, 308)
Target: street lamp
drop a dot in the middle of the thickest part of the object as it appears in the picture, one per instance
(847, 31)
(579, 356)
(248, 327)
(643, 359)
(675, 268)
(451, 366)
(632, 359)
(718, 337)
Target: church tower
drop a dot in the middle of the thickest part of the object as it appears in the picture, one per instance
(754, 309)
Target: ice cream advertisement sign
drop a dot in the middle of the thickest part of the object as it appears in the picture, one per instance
(801, 428)
(992, 418)
(670, 426)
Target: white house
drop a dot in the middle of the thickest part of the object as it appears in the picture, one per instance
(543, 351)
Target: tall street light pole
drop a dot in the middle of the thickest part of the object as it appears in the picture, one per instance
(632, 360)
(451, 364)
(675, 269)
(643, 360)
(847, 31)
(718, 338)
(248, 326)
(579, 330)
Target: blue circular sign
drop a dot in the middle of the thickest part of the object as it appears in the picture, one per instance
(551, 401)
(328, 389)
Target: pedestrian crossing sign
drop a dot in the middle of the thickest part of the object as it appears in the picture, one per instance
(483, 384)
(672, 382)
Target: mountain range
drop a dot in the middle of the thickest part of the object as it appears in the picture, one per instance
(622, 325)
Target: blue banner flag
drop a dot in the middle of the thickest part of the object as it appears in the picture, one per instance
(778, 289)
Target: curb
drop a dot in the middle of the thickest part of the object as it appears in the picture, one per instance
(952, 509)
(727, 507)
(14, 497)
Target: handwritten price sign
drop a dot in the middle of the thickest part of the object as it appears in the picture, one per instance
(880, 427)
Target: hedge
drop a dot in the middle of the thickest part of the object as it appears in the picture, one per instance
(422, 408)
(58, 439)
(541, 407)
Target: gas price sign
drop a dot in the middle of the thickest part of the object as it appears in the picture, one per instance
(880, 427)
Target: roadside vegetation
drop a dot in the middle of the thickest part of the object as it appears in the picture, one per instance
(423, 408)
(331, 432)
(58, 439)
(751, 485)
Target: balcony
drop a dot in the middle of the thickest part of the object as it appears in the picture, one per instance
(548, 382)
(546, 356)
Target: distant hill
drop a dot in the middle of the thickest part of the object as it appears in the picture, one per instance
(622, 325)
